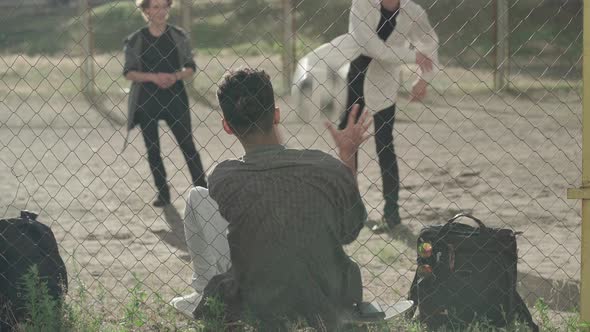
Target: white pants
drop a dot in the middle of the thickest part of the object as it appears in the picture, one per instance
(206, 237)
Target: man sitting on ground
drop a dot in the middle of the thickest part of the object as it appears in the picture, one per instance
(289, 212)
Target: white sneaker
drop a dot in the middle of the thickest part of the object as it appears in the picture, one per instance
(186, 304)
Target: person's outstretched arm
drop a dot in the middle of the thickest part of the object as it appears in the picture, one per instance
(349, 139)
(353, 213)
(425, 41)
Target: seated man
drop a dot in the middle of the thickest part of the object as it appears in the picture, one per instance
(289, 212)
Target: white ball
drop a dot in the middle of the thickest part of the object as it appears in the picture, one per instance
(318, 92)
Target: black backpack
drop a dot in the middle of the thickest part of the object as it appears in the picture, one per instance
(467, 274)
(24, 243)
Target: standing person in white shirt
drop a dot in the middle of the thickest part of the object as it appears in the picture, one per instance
(382, 36)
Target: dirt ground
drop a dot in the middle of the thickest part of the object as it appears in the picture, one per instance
(508, 159)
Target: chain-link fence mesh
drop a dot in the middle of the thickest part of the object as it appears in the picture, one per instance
(506, 157)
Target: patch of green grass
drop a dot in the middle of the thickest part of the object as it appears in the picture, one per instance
(571, 322)
(135, 317)
(80, 313)
(44, 311)
(35, 33)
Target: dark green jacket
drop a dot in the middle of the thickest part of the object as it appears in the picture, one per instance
(290, 214)
(132, 49)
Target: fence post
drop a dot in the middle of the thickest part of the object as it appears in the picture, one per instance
(86, 44)
(185, 7)
(288, 43)
(583, 193)
(502, 45)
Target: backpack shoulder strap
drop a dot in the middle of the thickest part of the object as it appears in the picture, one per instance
(413, 296)
(523, 312)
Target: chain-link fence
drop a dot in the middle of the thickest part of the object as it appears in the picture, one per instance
(506, 154)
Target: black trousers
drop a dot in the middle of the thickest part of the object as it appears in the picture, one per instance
(383, 121)
(180, 125)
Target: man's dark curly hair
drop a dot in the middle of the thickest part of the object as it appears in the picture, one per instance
(246, 98)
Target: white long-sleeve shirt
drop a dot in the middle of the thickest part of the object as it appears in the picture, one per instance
(412, 33)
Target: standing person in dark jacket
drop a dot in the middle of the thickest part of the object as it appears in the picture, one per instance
(158, 58)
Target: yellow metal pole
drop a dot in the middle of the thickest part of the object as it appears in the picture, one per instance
(583, 193)
(585, 271)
